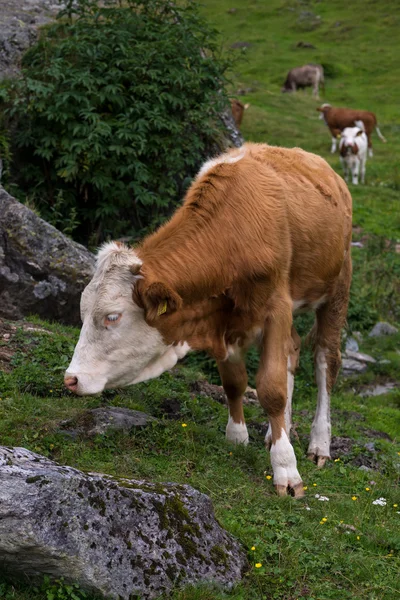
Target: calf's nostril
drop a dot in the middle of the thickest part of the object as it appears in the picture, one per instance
(71, 382)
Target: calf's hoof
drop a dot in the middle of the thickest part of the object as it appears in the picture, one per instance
(318, 460)
(297, 491)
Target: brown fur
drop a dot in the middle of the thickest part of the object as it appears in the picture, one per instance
(238, 109)
(251, 238)
(338, 119)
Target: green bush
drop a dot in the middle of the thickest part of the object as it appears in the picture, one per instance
(117, 107)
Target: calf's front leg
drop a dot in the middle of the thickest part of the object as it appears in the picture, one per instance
(234, 380)
(272, 395)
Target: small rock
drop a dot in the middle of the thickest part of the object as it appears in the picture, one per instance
(353, 367)
(383, 328)
(384, 361)
(370, 446)
(378, 390)
(364, 468)
(360, 357)
(305, 45)
(352, 344)
(231, 11)
(98, 421)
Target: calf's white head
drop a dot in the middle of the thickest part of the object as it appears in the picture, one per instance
(116, 347)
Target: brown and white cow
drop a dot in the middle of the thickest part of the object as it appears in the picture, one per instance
(263, 232)
(338, 119)
(238, 109)
(306, 76)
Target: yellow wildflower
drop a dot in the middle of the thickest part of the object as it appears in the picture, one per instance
(358, 537)
(305, 487)
(395, 505)
(184, 425)
(314, 484)
(354, 497)
(253, 548)
(268, 476)
(367, 489)
(258, 565)
(337, 459)
(324, 519)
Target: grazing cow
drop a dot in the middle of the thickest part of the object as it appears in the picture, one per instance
(238, 109)
(306, 76)
(353, 148)
(263, 232)
(338, 119)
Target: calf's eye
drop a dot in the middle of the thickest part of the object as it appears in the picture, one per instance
(112, 318)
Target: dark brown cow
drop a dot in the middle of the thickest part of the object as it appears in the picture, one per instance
(263, 232)
(306, 76)
(337, 119)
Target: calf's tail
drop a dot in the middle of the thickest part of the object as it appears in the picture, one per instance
(379, 134)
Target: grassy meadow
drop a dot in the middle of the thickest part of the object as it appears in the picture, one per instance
(342, 548)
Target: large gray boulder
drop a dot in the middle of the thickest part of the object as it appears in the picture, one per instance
(42, 271)
(118, 538)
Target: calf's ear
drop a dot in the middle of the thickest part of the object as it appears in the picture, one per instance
(159, 299)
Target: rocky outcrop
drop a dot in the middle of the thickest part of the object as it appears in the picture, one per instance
(19, 23)
(382, 328)
(116, 538)
(42, 271)
(98, 421)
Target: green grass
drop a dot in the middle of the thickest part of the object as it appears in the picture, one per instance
(355, 553)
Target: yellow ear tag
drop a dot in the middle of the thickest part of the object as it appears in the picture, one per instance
(162, 308)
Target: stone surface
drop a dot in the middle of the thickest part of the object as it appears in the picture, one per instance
(382, 328)
(42, 271)
(353, 367)
(116, 538)
(378, 390)
(352, 345)
(19, 22)
(360, 356)
(98, 421)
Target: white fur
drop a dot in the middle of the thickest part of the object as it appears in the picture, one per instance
(354, 163)
(234, 353)
(320, 439)
(334, 145)
(283, 461)
(127, 352)
(237, 432)
(302, 304)
(288, 407)
(224, 158)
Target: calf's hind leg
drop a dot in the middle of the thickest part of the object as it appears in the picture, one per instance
(330, 319)
(234, 381)
(272, 394)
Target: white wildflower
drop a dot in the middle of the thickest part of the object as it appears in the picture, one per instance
(322, 498)
(380, 502)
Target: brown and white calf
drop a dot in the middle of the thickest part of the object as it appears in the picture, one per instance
(306, 76)
(353, 149)
(338, 119)
(263, 232)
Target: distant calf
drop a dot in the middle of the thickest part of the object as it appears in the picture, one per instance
(337, 119)
(353, 148)
(306, 76)
(238, 109)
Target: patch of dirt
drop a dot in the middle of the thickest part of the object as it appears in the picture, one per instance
(210, 390)
(341, 446)
(171, 408)
(9, 345)
(373, 433)
(348, 415)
